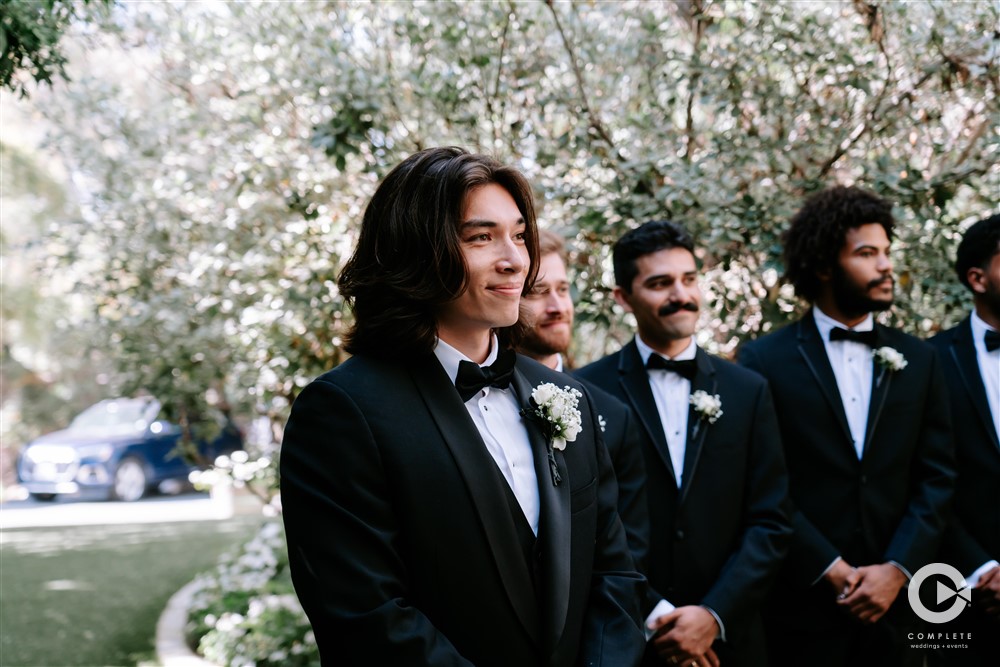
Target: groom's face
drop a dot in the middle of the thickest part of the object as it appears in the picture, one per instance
(492, 239)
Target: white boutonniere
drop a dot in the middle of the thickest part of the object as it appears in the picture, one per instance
(708, 406)
(889, 360)
(555, 410)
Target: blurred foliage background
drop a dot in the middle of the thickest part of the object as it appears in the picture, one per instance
(176, 210)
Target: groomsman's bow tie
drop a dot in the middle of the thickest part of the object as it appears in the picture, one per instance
(869, 338)
(472, 377)
(687, 368)
(992, 339)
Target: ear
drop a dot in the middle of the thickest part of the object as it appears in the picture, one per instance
(622, 298)
(977, 280)
(825, 275)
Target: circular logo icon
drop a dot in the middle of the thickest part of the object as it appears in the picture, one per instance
(959, 596)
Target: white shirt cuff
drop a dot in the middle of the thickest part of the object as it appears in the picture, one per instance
(973, 579)
(722, 628)
(828, 568)
(662, 607)
(906, 573)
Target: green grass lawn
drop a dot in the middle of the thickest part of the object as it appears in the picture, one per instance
(91, 595)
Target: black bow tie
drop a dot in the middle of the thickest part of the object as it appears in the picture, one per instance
(992, 339)
(869, 338)
(686, 368)
(473, 377)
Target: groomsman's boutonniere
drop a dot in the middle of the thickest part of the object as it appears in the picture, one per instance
(555, 410)
(888, 359)
(708, 406)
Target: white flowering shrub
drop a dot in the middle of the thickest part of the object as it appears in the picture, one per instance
(245, 613)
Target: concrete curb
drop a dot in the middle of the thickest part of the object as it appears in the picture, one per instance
(171, 649)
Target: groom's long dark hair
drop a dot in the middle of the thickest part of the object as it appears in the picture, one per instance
(408, 261)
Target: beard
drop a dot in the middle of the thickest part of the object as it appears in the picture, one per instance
(852, 299)
(541, 342)
(991, 298)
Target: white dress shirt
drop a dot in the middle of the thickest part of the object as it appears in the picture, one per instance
(497, 416)
(672, 394)
(989, 370)
(853, 367)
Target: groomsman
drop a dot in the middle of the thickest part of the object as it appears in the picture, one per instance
(716, 478)
(864, 422)
(436, 513)
(550, 305)
(970, 354)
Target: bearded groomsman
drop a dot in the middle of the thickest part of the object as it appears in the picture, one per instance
(864, 421)
(550, 305)
(716, 478)
(970, 354)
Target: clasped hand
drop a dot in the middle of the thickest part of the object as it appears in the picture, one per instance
(866, 592)
(684, 637)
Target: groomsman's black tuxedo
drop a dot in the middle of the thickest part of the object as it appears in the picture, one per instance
(717, 540)
(623, 437)
(973, 535)
(407, 546)
(891, 505)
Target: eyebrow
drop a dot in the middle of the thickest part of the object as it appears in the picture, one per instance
(477, 223)
(661, 276)
(863, 246)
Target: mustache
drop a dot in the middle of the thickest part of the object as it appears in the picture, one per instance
(674, 306)
(879, 281)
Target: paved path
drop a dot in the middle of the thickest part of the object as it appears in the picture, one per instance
(67, 512)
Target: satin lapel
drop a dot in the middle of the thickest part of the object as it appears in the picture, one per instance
(963, 352)
(697, 426)
(477, 468)
(635, 382)
(812, 350)
(881, 381)
(554, 522)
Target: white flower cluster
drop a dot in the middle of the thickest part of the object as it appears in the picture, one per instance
(890, 358)
(708, 406)
(559, 408)
(246, 611)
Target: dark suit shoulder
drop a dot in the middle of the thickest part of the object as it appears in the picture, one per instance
(731, 373)
(779, 340)
(943, 339)
(603, 367)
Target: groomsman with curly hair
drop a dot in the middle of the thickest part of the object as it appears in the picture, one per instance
(867, 437)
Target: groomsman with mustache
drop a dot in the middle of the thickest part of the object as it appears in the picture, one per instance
(864, 422)
(717, 486)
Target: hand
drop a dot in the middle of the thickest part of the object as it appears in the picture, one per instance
(685, 636)
(875, 588)
(987, 592)
(837, 576)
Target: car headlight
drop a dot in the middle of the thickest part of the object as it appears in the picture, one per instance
(99, 452)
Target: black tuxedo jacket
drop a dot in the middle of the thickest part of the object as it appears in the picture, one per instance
(973, 536)
(720, 538)
(623, 437)
(402, 544)
(891, 505)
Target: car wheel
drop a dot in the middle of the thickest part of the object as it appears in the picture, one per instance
(43, 497)
(130, 480)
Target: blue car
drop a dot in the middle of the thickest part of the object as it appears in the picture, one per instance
(117, 449)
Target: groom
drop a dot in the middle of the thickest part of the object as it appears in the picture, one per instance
(429, 518)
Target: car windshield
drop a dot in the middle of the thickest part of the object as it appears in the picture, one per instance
(119, 416)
